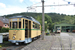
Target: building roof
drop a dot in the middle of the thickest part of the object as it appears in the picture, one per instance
(4, 20)
(1, 23)
(64, 24)
(27, 17)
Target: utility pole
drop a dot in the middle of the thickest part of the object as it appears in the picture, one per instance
(43, 28)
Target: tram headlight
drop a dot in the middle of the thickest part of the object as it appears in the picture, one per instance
(13, 37)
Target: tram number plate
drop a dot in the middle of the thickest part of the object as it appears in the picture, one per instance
(14, 34)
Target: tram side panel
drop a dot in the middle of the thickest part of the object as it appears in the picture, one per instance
(35, 33)
(39, 32)
(10, 35)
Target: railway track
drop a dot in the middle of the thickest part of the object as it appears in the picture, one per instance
(66, 42)
(61, 43)
(55, 43)
(15, 47)
(52, 43)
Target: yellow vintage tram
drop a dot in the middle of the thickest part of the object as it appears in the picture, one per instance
(23, 29)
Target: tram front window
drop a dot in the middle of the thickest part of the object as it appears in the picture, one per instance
(19, 24)
(10, 24)
(14, 24)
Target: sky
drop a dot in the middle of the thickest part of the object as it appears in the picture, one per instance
(18, 6)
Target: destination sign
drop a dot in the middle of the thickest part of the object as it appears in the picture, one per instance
(14, 19)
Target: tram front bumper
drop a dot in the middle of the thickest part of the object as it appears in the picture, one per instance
(15, 41)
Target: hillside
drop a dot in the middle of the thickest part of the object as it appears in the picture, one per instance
(51, 18)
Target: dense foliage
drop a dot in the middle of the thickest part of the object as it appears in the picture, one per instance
(50, 18)
(4, 30)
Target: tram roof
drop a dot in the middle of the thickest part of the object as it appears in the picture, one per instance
(27, 17)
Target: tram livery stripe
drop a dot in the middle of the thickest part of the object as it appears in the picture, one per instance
(24, 29)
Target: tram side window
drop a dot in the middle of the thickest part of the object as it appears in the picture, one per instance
(35, 26)
(19, 24)
(14, 24)
(10, 24)
(39, 26)
(26, 25)
(23, 23)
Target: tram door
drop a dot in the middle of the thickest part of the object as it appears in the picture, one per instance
(29, 29)
(26, 28)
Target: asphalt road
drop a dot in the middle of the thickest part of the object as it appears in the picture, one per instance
(64, 34)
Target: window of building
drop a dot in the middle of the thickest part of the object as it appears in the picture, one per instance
(74, 27)
(5, 24)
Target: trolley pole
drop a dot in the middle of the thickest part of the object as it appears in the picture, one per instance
(43, 28)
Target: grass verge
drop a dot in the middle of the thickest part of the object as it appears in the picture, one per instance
(5, 44)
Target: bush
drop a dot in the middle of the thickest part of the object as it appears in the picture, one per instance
(4, 30)
(47, 33)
